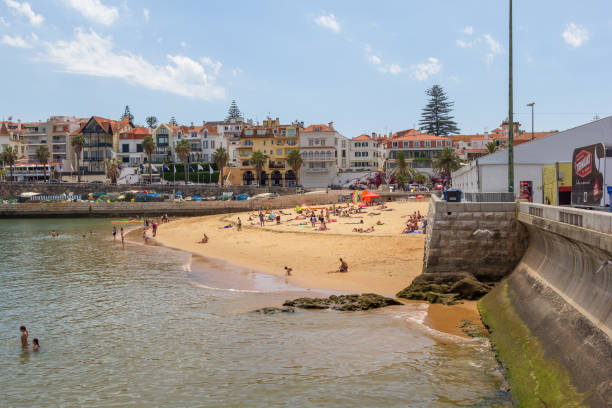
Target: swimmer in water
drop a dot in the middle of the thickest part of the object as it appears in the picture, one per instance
(35, 345)
(24, 336)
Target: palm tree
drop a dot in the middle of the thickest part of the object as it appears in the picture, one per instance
(220, 158)
(42, 156)
(112, 170)
(77, 143)
(258, 161)
(183, 149)
(402, 171)
(491, 147)
(294, 159)
(421, 178)
(446, 163)
(9, 157)
(148, 145)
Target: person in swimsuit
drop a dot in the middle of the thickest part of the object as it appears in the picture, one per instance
(35, 345)
(24, 336)
(239, 224)
(288, 271)
(343, 266)
(114, 233)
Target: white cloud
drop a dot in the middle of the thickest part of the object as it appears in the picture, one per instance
(236, 72)
(424, 70)
(328, 21)
(469, 30)
(26, 10)
(4, 22)
(214, 65)
(146, 13)
(392, 69)
(575, 35)
(465, 44)
(92, 54)
(495, 48)
(183, 44)
(94, 10)
(374, 60)
(16, 41)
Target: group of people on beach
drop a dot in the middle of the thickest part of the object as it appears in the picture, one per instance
(24, 339)
(416, 224)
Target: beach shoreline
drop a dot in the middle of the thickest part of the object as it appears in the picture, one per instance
(383, 262)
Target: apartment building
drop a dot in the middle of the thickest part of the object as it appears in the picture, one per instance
(203, 141)
(419, 149)
(324, 152)
(130, 151)
(275, 141)
(230, 131)
(163, 136)
(367, 153)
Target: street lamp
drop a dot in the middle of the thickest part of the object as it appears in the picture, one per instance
(531, 106)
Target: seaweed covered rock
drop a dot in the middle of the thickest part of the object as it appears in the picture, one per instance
(275, 310)
(445, 289)
(364, 301)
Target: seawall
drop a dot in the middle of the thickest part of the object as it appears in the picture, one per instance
(551, 319)
(186, 208)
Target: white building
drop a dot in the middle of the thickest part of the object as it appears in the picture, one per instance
(229, 131)
(367, 153)
(203, 140)
(490, 173)
(130, 151)
(324, 152)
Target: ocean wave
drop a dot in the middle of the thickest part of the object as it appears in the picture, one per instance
(202, 286)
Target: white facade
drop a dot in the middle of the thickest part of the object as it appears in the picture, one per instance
(490, 173)
(324, 152)
(364, 154)
(230, 131)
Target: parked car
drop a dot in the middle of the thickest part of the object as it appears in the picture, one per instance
(54, 181)
(335, 187)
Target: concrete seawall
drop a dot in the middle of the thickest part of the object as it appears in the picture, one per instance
(186, 208)
(556, 306)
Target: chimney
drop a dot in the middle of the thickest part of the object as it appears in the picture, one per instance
(203, 123)
(192, 125)
(331, 125)
(373, 135)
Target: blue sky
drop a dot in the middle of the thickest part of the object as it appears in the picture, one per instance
(364, 65)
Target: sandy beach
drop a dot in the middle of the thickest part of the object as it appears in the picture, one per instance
(384, 261)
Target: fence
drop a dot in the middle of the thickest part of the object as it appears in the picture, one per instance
(488, 197)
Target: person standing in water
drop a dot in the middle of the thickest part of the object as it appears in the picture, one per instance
(35, 345)
(24, 336)
(122, 239)
(114, 233)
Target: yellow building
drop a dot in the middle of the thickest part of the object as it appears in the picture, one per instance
(275, 141)
(557, 183)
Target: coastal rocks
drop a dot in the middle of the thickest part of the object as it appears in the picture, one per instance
(345, 303)
(275, 310)
(445, 289)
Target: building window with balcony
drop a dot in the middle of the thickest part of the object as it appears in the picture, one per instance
(125, 148)
(247, 143)
(291, 142)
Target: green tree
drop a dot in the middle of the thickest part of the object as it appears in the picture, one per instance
(112, 170)
(233, 111)
(421, 178)
(294, 159)
(183, 149)
(446, 163)
(491, 147)
(402, 171)
(151, 121)
(148, 145)
(258, 161)
(42, 157)
(220, 158)
(9, 157)
(436, 118)
(127, 114)
(78, 142)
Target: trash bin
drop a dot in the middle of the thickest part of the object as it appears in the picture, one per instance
(610, 197)
(452, 195)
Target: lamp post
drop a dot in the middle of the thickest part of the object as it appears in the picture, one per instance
(510, 110)
(531, 106)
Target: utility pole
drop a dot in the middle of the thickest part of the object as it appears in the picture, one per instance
(531, 105)
(510, 112)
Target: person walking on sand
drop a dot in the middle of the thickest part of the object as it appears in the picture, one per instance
(343, 266)
(288, 271)
(24, 336)
(239, 223)
(154, 229)
(313, 219)
(261, 219)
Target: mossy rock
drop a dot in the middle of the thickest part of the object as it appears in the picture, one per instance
(347, 303)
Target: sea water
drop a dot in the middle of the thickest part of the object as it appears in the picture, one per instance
(149, 326)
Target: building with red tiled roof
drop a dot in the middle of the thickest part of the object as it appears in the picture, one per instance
(367, 152)
(325, 152)
(419, 149)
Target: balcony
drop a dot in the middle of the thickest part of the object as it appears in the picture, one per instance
(316, 169)
(97, 145)
(275, 165)
(58, 149)
(162, 150)
(196, 149)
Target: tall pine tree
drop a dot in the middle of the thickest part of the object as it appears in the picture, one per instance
(436, 118)
(127, 114)
(233, 111)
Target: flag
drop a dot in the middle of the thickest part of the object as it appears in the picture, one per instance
(174, 168)
(141, 166)
(190, 168)
(200, 167)
(71, 168)
(210, 170)
(61, 167)
(166, 168)
(105, 168)
(153, 168)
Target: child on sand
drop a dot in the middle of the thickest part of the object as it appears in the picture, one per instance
(204, 239)
(288, 271)
(239, 223)
(343, 266)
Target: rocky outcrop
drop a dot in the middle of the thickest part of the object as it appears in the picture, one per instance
(448, 290)
(364, 301)
(275, 310)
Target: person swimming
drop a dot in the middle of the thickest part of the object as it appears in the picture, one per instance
(35, 345)
(24, 336)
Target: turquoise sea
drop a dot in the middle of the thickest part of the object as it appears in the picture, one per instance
(148, 326)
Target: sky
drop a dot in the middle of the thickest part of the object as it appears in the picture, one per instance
(363, 65)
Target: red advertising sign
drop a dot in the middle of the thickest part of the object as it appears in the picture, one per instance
(583, 163)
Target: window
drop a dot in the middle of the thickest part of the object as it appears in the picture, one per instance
(125, 148)
(264, 142)
(205, 133)
(310, 142)
(357, 154)
(365, 144)
(205, 144)
(364, 154)
(291, 142)
(279, 151)
(317, 129)
(261, 132)
(212, 144)
(427, 143)
(139, 148)
(439, 143)
(194, 134)
(248, 132)
(290, 132)
(247, 143)
(245, 153)
(394, 144)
